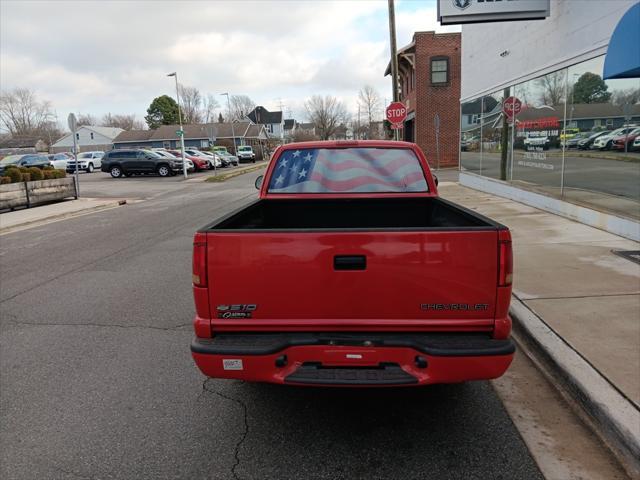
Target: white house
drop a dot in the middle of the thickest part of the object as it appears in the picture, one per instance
(88, 138)
(272, 121)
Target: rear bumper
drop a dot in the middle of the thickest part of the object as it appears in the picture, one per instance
(353, 359)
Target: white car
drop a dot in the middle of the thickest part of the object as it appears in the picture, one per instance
(603, 142)
(212, 158)
(245, 152)
(59, 160)
(87, 161)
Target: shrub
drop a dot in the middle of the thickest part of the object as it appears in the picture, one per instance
(23, 169)
(26, 177)
(36, 173)
(14, 174)
(48, 174)
(58, 173)
(4, 180)
(48, 167)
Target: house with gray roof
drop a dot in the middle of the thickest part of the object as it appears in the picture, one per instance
(195, 136)
(88, 138)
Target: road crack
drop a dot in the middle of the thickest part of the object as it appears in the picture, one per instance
(245, 419)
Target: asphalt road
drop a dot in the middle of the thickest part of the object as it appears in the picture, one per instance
(97, 382)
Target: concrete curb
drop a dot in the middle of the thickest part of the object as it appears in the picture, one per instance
(61, 216)
(236, 173)
(614, 417)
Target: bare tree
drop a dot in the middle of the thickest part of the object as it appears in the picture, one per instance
(126, 122)
(86, 119)
(303, 136)
(553, 86)
(369, 102)
(240, 105)
(191, 104)
(629, 96)
(209, 107)
(21, 113)
(327, 113)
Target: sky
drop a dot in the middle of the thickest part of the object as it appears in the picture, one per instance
(94, 57)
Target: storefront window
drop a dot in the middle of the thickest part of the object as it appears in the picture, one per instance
(470, 135)
(602, 165)
(576, 137)
(496, 136)
(538, 149)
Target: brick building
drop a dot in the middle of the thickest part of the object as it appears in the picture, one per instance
(429, 85)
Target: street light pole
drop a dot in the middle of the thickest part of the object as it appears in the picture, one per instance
(184, 162)
(233, 133)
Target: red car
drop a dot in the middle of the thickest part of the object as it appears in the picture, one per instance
(350, 270)
(618, 142)
(198, 162)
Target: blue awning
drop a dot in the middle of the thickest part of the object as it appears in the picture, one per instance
(623, 54)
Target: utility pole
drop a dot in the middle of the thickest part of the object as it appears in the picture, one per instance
(184, 161)
(394, 58)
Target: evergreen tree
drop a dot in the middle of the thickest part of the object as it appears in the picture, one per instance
(590, 88)
(162, 111)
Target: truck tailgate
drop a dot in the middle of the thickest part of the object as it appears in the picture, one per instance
(378, 280)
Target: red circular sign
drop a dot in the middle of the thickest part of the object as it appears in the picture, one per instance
(511, 107)
(396, 112)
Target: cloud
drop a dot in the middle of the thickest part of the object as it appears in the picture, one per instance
(99, 56)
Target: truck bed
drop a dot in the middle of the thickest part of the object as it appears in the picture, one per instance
(418, 213)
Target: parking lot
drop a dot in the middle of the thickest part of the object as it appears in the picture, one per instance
(100, 184)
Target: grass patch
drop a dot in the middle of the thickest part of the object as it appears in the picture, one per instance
(223, 177)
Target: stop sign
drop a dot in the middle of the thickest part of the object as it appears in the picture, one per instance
(511, 107)
(396, 112)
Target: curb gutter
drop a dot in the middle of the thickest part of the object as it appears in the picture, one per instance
(614, 417)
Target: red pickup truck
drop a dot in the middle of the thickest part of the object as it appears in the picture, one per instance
(350, 270)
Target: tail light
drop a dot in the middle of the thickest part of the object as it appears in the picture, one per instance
(199, 272)
(505, 271)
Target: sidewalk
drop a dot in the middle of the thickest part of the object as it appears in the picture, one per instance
(566, 274)
(28, 217)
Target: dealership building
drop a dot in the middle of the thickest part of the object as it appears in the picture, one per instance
(550, 108)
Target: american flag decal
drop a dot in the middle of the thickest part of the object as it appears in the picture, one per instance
(350, 170)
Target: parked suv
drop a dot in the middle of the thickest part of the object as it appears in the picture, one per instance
(245, 152)
(87, 161)
(127, 162)
(28, 160)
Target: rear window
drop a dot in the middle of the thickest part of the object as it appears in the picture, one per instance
(121, 154)
(351, 170)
